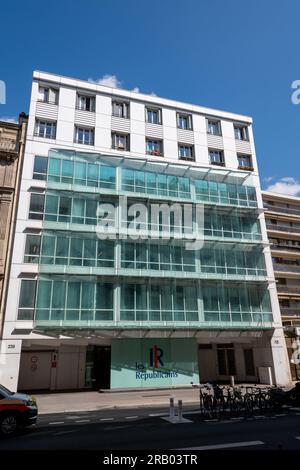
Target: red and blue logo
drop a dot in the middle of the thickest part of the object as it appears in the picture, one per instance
(156, 355)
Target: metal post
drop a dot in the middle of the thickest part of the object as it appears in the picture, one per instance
(179, 410)
(172, 409)
(232, 381)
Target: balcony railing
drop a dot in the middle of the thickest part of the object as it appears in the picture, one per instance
(281, 210)
(290, 311)
(288, 290)
(284, 247)
(282, 228)
(289, 268)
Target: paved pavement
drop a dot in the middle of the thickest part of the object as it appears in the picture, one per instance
(88, 401)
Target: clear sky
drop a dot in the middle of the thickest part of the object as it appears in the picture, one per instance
(240, 56)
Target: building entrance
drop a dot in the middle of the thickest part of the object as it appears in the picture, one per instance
(97, 370)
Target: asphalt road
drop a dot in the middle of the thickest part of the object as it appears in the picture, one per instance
(148, 429)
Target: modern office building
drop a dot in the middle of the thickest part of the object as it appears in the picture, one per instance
(283, 226)
(113, 286)
(12, 146)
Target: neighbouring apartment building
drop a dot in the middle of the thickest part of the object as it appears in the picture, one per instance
(12, 145)
(134, 303)
(283, 226)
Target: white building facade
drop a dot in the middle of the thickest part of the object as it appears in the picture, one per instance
(88, 311)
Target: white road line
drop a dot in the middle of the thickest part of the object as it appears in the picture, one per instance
(153, 415)
(57, 422)
(107, 419)
(65, 432)
(225, 446)
(131, 417)
(297, 437)
(83, 421)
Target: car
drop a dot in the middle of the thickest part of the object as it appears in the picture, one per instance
(17, 410)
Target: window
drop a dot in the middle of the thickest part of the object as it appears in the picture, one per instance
(85, 103)
(153, 147)
(245, 162)
(216, 157)
(36, 208)
(84, 135)
(186, 152)
(249, 362)
(153, 115)
(27, 300)
(48, 95)
(32, 249)
(184, 121)
(213, 127)
(46, 129)
(120, 141)
(120, 109)
(40, 168)
(241, 132)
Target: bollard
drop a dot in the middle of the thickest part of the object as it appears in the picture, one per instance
(179, 410)
(172, 409)
(232, 381)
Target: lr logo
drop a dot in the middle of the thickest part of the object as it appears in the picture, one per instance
(2, 92)
(156, 355)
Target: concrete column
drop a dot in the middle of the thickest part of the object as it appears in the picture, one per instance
(10, 355)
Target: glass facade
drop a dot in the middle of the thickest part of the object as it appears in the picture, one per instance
(88, 281)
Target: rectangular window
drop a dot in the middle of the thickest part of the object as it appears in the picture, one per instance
(186, 152)
(216, 157)
(32, 249)
(84, 135)
(27, 300)
(153, 116)
(120, 141)
(213, 127)
(184, 121)
(153, 147)
(85, 103)
(245, 162)
(241, 132)
(45, 129)
(36, 208)
(40, 168)
(48, 95)
(120, 109)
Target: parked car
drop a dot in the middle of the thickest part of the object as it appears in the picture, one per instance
(17, 410)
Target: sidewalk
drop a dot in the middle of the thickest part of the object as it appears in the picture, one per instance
(90, 401)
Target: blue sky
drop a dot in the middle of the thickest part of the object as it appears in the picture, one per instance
(232, 55)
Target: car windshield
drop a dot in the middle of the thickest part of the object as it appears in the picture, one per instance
(5, 390)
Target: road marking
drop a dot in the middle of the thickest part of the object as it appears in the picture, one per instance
(297, 437)
(83, 421)
(153, 415)
(65, 432)
(195, 412)
(131, 417)
(295, 408)
(225, 446)
(107, 419)
(57, 422)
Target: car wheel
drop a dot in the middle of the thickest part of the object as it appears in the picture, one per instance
(8, 424)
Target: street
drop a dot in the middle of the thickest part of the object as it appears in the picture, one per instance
(147, 428)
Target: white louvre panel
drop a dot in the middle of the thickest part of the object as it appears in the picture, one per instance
(120, 124)
(215, 141)
(243, 146)
(185, 136)
(46, 111)
(154, 130)
(85, 118)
